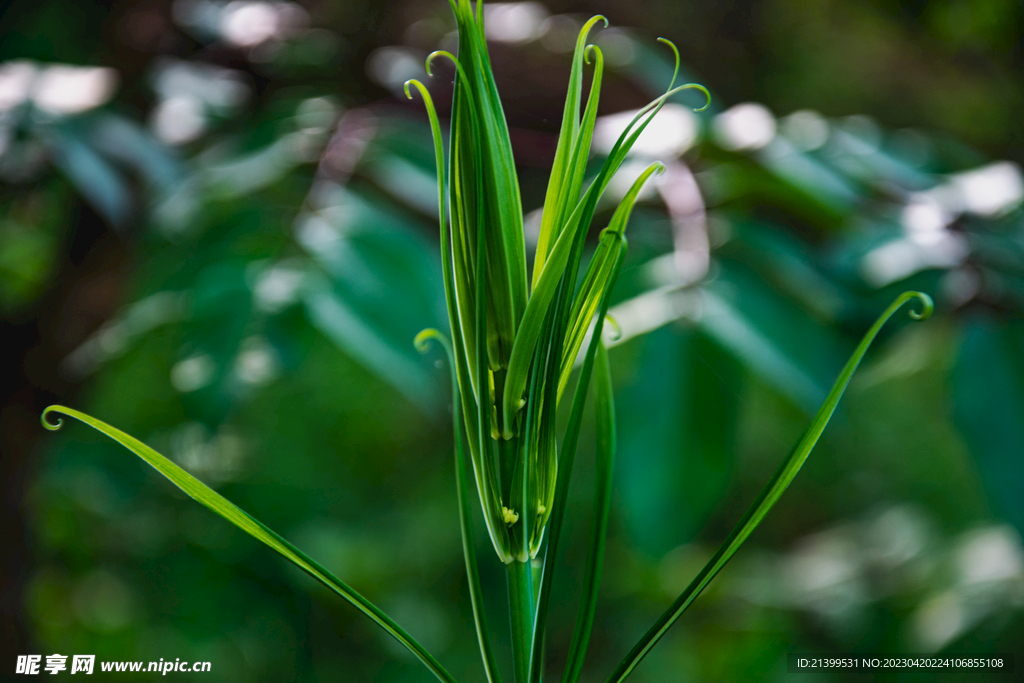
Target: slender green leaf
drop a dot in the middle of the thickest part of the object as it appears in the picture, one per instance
(203, 494)
(539, 432)
(489, 452)
(557, 197)
(461, 364)
(462, 169)
(580, 154)
(460, 254)
(531, 327)
(476, 593)
(568, 455)
(771, 493)
(548, 283)
(604, 409)
(497, 191)
(595, 280)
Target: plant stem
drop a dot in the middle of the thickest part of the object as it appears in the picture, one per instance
(521, 605)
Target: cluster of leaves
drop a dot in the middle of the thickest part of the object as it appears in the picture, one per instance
(515, 345)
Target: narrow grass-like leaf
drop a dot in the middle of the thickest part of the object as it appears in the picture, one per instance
(558, 208)
(489, 452)
(546, 448)
(549, 361)
(489, 496)
(604, 411)
(497, 189)
(555, 200)
(550, 278)
(465, 137)
(565, 463)
(526, 481)
(531, 327)
(203, 494)
(538, 438)
(771, 493)
(595, 280)
(581, 144)
(476, 594)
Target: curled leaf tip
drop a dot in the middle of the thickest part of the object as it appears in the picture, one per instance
(927, 305)
(675, 74)
(591, 21)
(52, 426)
(707, 94)
(434, 55)
(423, 339)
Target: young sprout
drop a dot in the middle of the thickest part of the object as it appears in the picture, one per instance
(515, 341)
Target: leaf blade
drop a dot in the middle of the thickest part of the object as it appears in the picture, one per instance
(565, 463)
(771, 493)
(597, 276)
(604, 409)
(220, 505)
(568, 137)
(476, 593)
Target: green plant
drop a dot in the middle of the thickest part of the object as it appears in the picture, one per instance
(514, 344)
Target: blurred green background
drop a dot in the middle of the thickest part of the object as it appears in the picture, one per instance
(218, 233)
